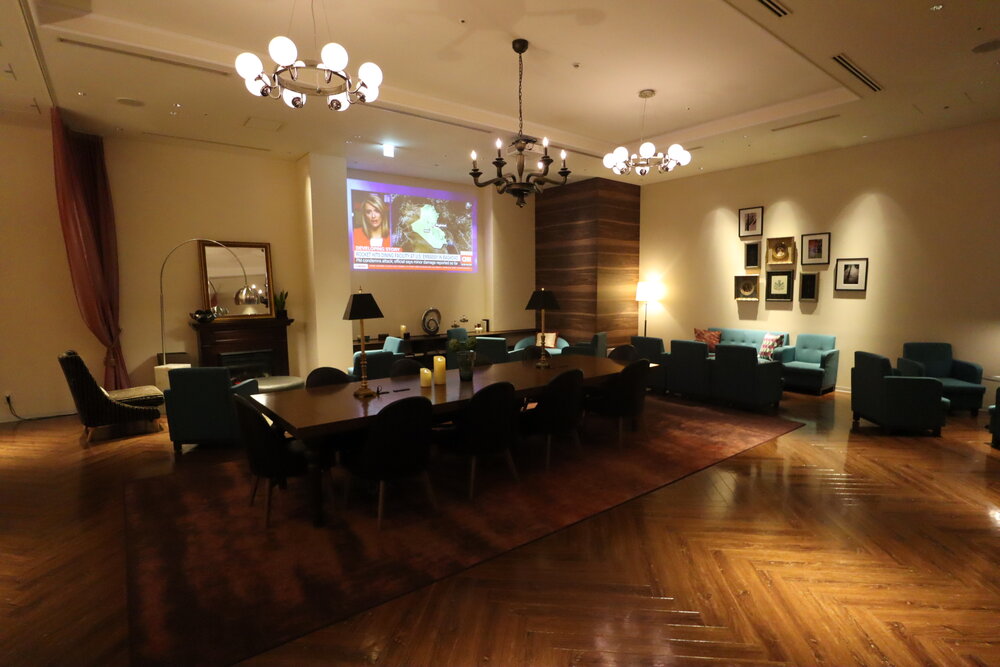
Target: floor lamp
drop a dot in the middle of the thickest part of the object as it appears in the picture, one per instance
(361, 306)
(542, 300)
(243, 295)
(645, 292)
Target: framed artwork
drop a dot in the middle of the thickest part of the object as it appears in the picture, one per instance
(781, 250)
(809, 287)
(752, 221)
(747, 288)
(816, 248)
(780, 285)
(751, 255)
(851, 275)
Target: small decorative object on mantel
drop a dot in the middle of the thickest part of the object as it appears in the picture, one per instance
(279, 304)
(431, 321)
(816, 248)
(780, 285)
(781, 250)
(809, 287)
(747, 288)
(751, 221)
(851, 275)
(202, 316)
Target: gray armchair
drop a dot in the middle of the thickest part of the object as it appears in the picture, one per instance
(811, 364)
(738, 377)
(895, 402)
(961, 380)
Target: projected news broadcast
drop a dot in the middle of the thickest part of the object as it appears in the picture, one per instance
(400, 228)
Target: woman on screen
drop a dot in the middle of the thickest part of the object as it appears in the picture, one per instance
(374, 227)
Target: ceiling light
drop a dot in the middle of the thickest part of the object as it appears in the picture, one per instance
(521, 185)
(621, 163)
(936, 8)
(388, 150)
(293, 80)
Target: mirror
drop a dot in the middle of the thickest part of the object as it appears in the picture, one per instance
(226, 292)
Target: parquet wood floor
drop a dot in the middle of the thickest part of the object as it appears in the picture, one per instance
(825, 546)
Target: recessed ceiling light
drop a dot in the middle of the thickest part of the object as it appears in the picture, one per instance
(81, 93)
(173, 113)
(130, 102)
(936, 8)
(177, 105)
(388, 150)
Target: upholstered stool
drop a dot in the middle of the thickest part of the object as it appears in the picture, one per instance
(146, 395)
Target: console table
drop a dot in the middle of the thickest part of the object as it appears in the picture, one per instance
(424, 344)
(245, 343)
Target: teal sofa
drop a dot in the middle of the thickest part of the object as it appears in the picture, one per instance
(895, 402)
(748, 337)
(739, 378)
(811, 364)
(961, 380)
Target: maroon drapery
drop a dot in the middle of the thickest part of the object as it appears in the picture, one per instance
(88, 226)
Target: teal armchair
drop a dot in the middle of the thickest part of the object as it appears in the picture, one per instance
(738, 377)
(961, 380)
(895, 402)
(397, 346)
(379, 363)
(597, 347)
(688, 369)
(200, 407)
(811, 364)
(517, 354)
(652, 348)
(492, 349)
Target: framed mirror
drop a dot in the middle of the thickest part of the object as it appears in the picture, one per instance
(236, 279)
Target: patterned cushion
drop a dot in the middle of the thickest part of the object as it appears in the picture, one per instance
(711, 338)
(771, 341)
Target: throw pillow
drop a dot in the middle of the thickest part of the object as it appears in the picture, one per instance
(545, 340)
(771, 341)
(712, 338)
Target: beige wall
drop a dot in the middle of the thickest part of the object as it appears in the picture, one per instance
(925, 210)
(39, 318)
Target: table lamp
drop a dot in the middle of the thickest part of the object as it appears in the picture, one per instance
(361, 306)
(542, 300)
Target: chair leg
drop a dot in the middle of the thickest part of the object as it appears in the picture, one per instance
(576, 440)
(510, 465)
(548, 450)
(429, 490)
(472, 477)
(381, 501)
(621, 426)
(267, 505)
(347, 489)
(253, 491)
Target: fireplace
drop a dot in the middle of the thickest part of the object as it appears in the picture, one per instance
(248, 364)
(249, 347)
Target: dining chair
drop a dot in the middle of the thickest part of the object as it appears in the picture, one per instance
(269, 453)
(404, 367)
(622, 396)
(396, 446)
(326, 375)
(624, 354)
(486, 427)
(558, 411)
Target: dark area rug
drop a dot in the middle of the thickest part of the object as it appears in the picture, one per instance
(209, 585)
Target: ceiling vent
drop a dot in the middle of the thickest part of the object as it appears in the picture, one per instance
(775, 8)
(856, 72)
(804, 122)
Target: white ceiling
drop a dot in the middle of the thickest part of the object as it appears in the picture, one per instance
(735, 83)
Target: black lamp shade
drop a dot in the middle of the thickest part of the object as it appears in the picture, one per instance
(362, 306)
(540, 299)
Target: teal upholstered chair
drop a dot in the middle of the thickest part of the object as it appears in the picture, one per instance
(738, 377)
(895, 402)
(961, 380)
(597, 347)
(688, 368)
(397, 346)
(459, 333)
(517, 354)
(379, 363)
(200, 407)
(811, 364)
(650, 347)
(995, 420)
(492, 349)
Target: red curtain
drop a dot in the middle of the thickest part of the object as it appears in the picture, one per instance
(88, 226)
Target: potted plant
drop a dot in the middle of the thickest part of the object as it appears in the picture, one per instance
(279, 304)
(465, 355)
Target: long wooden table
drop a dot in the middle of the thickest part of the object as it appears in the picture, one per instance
(309, 414)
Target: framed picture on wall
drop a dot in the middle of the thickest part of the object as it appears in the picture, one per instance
(780, 285)
(816, 248)
(809, 287)
(781, 250)
(751, 255)
(752, 221)
(851, 275)
(747, 288)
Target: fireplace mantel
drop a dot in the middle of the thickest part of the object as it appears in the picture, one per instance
(253, 334)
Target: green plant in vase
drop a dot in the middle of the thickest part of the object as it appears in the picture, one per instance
(465, 355)
(279, 303)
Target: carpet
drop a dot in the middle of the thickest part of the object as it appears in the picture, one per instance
(209, 585)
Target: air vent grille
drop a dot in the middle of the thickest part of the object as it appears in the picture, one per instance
(856, 72)
(805, 122)
(775, 8)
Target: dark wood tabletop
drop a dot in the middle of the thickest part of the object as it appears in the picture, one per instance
(309, 413)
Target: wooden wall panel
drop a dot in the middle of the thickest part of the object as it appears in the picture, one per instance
(587, 252)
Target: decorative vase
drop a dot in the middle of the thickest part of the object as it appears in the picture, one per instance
(281, 314)
(466, 362)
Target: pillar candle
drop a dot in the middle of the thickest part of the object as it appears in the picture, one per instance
(425, 377)
(402, 331)
(439, 372)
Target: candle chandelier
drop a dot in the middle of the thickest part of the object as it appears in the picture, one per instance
(621, 163)
(521, 185)
(293, 80)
